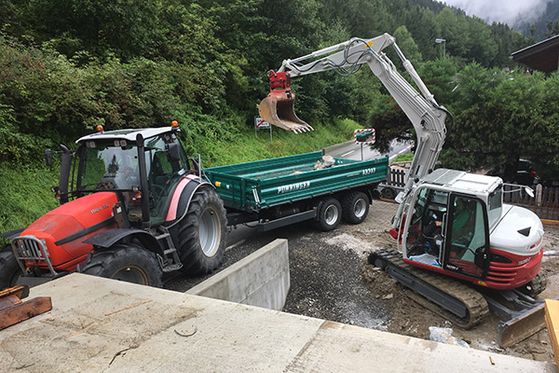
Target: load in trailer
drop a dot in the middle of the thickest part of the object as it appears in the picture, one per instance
(281, 191)
(132, 206)
(451, 223)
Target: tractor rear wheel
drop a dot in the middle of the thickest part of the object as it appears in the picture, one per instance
(125, 262)
(355, 207)
(9, 269)
(202, 233)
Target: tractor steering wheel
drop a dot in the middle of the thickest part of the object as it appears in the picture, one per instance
(106, 185)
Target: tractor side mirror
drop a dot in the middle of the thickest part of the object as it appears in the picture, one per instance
(174, 151)
(48, 157)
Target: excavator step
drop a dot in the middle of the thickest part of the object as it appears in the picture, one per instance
(13, 310)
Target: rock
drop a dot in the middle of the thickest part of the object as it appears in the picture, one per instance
(388, 296)
(444, 335)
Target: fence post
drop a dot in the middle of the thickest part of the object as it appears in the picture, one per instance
(539, 191)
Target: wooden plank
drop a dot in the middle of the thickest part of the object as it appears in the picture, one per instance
(552, 321)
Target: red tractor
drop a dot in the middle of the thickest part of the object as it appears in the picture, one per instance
(132, 206)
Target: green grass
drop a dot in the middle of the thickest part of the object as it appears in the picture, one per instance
(405, 157)
(26, 191)
(25, 195)
(249, 147)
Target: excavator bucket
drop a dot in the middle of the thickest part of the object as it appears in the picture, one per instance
(277, 108)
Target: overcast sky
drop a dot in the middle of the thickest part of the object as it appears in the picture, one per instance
(500, 10)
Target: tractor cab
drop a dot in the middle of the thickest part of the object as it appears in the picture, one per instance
(141, 166)
(456, 223)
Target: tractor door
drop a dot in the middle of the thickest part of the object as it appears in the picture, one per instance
(466, 235)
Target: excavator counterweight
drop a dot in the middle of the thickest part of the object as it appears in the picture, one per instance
(278, 107)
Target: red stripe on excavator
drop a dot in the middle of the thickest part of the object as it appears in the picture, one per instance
(173, 206)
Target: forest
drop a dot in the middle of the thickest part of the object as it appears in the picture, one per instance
(67, 65)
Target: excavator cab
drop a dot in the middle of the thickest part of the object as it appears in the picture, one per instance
(278, 107)
(449, 231)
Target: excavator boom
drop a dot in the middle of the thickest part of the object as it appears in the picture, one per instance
(425, 114)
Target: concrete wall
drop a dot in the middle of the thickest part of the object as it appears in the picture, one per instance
(260, 279)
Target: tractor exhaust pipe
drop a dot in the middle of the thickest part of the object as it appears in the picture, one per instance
(278, 107)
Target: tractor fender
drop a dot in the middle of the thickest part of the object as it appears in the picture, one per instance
(108, 238)
(12, 234)
(182, 197)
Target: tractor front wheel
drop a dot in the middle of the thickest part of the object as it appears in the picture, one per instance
(9, 269)
(202, 233)
(125, 262)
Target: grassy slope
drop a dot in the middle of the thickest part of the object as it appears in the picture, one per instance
(26, 192)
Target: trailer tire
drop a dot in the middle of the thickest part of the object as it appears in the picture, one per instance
(355, 207)
(388, 193)
(202, 233)
(125, 262)
(9, 269)
(329, 214)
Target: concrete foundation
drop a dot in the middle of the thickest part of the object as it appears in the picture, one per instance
(104, 325)
(261, 279)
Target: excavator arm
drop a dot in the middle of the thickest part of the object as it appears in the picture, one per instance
(425, 114)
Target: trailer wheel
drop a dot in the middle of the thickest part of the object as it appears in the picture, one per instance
(329, 214)
(355, 207)
(9, 269)
(388, 193)
(202, 234)
(125, 262)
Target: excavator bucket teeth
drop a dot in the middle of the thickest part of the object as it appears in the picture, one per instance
(278, 110)
(521, 327)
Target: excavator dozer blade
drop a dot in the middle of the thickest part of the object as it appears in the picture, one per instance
(521, 326)
(277, 109)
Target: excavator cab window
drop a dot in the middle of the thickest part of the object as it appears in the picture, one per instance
(425, 236)
(467, 235)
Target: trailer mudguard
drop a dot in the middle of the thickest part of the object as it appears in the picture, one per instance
(106, 239)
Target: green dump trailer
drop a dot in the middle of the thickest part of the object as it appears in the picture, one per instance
(280, 191)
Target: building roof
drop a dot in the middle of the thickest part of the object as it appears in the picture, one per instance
(463, 181)
(543, 56)
(126, 134)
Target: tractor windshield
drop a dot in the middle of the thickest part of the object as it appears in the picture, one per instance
(106, 165)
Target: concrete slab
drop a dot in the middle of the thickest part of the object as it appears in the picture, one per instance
(103, 325)
(260, 279)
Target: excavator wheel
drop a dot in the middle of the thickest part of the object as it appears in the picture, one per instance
(202, 233)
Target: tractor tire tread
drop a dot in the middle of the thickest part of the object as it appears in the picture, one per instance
(192, 257)
(100, 261)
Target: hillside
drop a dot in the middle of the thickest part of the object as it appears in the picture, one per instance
(67, 65)
(547, 24)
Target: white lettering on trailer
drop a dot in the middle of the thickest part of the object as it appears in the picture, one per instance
(293, 187)
(369, 171)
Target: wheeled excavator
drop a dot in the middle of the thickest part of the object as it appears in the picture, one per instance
(462, 251)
